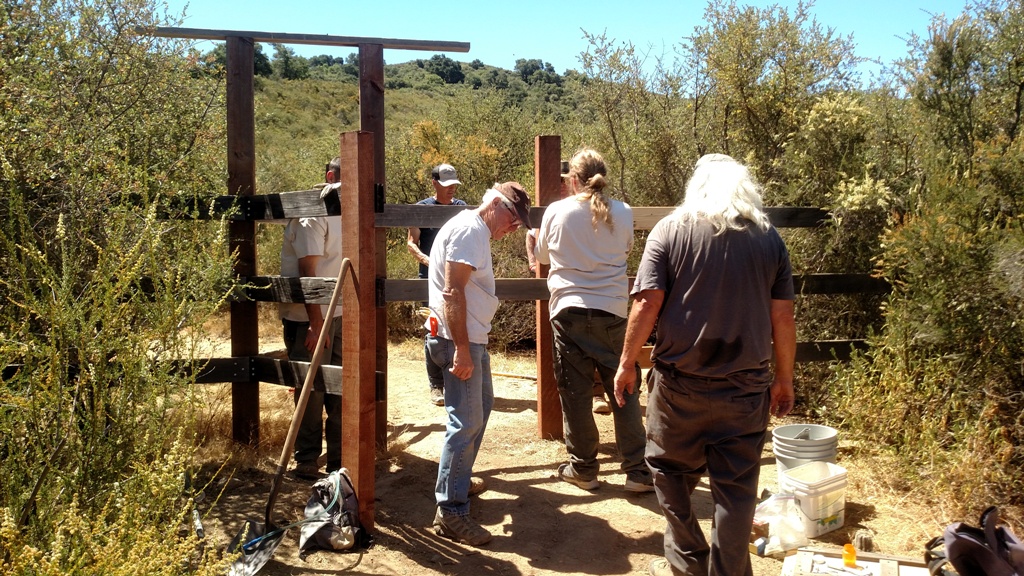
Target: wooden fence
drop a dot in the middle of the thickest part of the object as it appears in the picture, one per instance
(318, 290)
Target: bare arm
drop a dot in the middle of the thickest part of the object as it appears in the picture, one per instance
(642, 316)
(307, 269)
(456, 277)
(784, 346)
(531, 245)
(412, 242)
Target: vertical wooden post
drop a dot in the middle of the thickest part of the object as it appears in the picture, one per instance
(359, 332)
(547, 174)
(241, 120)
(371, 119)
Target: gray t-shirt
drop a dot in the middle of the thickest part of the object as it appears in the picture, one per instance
(715, 321)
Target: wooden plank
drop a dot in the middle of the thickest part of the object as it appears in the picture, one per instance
(419, 216)
(415, 289)
(840, 284)
(359, 329)
(902, 561)
(371, 119)
(547, 155)
(293, 373)
(287, 205)
(306, 39)
(290, 289)
(302, 203)
(241, 144)
(644, 217)
(802, 563)
(214, 370)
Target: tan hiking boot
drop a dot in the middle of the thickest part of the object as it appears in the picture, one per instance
(460, 529)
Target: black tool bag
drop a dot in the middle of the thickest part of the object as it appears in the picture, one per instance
(990, 550)
(332, 516)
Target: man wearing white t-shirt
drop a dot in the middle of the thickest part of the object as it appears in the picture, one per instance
(312, 248)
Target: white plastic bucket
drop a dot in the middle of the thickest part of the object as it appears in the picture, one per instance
(810, 455)
(816, 443)
(820, 490)
(816, 435)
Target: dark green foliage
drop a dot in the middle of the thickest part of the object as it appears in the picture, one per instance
(287, 65)
(216, 60)
(444, 67)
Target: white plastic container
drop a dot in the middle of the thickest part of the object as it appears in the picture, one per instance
(816, 443)
(820, 490)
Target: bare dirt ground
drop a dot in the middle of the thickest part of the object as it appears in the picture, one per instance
(540, 524)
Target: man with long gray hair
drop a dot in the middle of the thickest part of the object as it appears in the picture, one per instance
(715, 276)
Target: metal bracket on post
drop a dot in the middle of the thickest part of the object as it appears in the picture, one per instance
(379, 292)
(378, 198)
(382, 385)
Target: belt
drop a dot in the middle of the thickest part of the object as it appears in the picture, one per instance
(676, 373)
(576, 310)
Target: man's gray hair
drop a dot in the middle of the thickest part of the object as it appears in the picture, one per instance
(491, 194)
(723, 192)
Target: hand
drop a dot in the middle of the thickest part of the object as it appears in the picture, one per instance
(783, 397)
(625, 380)
(462, 364)
(312, 335)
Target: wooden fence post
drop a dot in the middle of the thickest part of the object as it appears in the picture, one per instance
(359, 330)
(241, 120)
(371, 119)
(547, 175)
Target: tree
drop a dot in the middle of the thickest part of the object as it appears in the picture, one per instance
(449, 70)
(289, 66)
(217, 60)
(755, 73)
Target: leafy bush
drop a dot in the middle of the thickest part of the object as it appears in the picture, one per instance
(101, 126)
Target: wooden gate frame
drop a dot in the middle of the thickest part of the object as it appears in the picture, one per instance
(364, 393)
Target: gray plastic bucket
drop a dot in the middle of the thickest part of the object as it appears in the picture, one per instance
(816, 443)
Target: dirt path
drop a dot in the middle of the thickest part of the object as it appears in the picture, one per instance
(540, 524)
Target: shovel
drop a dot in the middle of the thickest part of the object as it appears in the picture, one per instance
(257, 541)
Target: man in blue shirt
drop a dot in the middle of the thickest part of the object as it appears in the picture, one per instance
(445, 183)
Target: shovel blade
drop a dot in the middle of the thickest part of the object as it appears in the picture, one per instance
(256, 556)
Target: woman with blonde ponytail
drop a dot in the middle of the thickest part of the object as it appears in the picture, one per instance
(586, 238)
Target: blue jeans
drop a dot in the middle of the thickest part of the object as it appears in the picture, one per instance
(584, 340)
(309, 442)
(468, 404)
(435, 375)
(698, 425)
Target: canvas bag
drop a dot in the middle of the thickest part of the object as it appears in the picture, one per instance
(332, 516)
(990, 550)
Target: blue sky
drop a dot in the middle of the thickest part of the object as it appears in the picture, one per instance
(551, 30)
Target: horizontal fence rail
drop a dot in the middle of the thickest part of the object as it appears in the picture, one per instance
(305, 203)
(312, 290)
